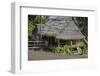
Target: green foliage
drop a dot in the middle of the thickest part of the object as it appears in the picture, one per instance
(45, 19)
(57, 50)
(33, 20)
(31, 27)
(70, 50)
(83, 25)
(85, 49)
(63, 50)
(67, 50)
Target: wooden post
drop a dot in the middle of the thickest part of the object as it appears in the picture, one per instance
(40, 25)
(58, 43)
(55, 40)
(71, 44)
(48, 40)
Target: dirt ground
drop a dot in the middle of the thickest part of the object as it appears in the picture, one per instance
(47, 55)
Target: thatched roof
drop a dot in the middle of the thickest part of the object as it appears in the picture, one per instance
(61, 28)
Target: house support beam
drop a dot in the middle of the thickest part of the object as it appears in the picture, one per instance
(58, 43)
(71, 44)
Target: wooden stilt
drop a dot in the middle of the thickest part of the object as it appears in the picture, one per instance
(55, 39)
(71, 44)
(58, 43)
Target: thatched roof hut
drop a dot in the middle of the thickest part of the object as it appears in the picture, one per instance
(60, 27)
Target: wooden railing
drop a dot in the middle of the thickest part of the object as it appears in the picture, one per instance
(36, 44)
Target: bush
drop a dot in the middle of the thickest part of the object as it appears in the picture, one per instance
(63, 50)
(67, 50)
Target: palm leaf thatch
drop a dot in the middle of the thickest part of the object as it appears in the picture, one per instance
(60, 27)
